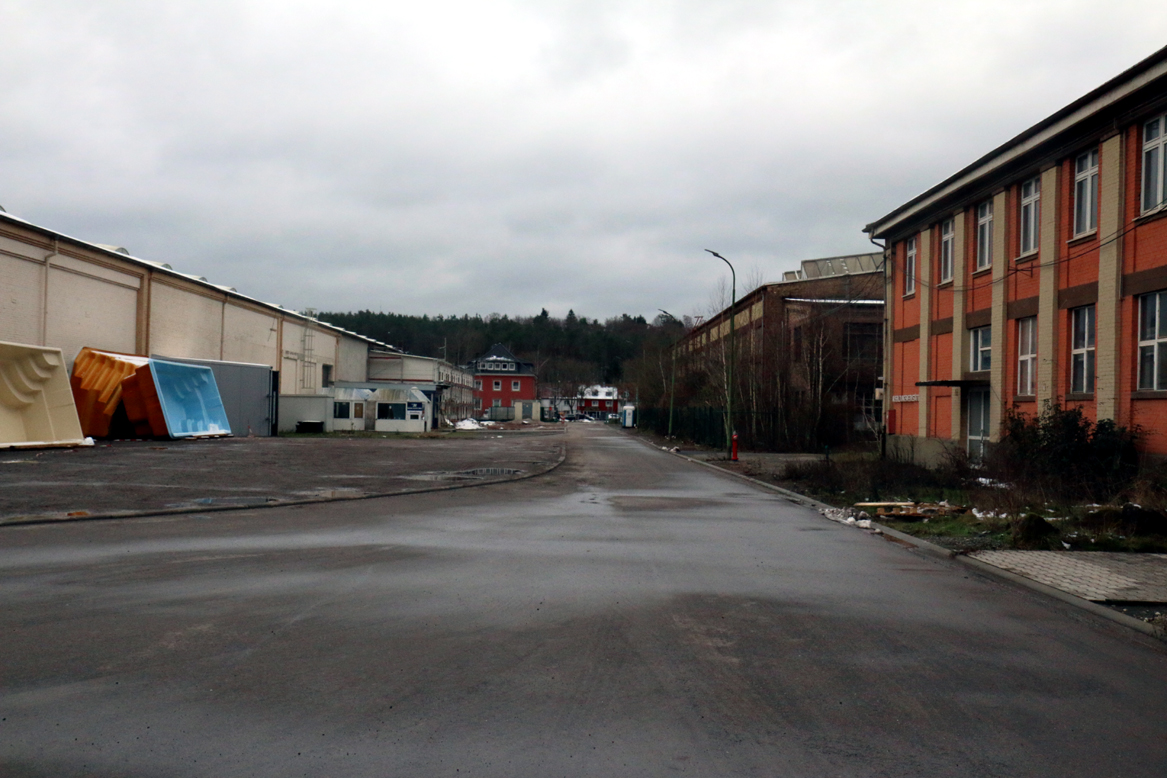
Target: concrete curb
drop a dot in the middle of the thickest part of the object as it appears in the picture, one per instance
(931, 549)
(34, 520)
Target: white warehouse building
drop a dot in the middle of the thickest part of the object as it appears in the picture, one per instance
(65, 293)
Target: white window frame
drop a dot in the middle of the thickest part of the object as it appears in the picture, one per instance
(910, 267)
(1154, 186)
(514, 386)
(985, 235)
(1082, 367)
(1152, 354)
(947, 249)
(1030, 216)
(1086, 193)
(498, 386)
(981, 357)
(1026, 355)
(478, 384)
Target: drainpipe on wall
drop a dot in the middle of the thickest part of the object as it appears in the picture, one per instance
(886, 340)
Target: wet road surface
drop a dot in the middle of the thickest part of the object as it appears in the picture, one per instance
(629, 614)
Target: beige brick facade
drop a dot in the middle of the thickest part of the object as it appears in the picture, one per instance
(1047, 304)
(1110, 169)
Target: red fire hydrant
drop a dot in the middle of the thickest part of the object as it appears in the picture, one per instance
(733, 452)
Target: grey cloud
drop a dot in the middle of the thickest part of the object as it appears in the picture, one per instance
(510, 156)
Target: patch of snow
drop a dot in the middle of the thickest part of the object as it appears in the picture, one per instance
(468, 424)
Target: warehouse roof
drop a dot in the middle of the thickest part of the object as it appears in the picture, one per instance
(124, 255)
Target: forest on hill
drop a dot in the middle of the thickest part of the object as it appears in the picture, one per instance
(573, 350)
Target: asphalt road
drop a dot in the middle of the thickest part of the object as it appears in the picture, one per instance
(629, 614)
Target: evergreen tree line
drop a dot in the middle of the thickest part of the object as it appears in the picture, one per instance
(573, 350)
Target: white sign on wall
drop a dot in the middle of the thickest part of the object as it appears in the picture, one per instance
(906, 398)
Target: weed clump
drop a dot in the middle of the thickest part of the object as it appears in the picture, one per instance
(1062, 456)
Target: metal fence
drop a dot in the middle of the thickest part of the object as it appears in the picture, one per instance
(757, 430)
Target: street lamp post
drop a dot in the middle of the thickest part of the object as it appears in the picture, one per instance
(672, 375)
(732, 352)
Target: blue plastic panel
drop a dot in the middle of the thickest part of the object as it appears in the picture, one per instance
(190, 399)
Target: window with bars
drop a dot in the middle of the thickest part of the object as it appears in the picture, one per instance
(1030, 215)
(910, 268)
(1026, 355)
(985, 235)
(982, 349)
(947, 247)
(1086, 193)
(1153, 341)
(1154, 163)
(1082, 349)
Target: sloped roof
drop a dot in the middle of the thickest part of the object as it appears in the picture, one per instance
(161, 267)
(849, 264)
(499, 351)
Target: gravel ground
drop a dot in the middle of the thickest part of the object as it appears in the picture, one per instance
(157, 476)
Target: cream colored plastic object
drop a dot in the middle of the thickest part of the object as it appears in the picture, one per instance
(36, 403)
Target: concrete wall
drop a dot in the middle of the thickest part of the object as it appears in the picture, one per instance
(184, 323)
(88, 310)
(314, 407)
(353, 362)
(250, 336)
(66, 294)
(306, 350)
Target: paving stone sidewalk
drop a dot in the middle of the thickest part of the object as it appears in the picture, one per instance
(1098, 576)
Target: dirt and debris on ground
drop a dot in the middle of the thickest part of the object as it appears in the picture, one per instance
(147, 476)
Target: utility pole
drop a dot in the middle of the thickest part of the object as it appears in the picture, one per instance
(732, 352)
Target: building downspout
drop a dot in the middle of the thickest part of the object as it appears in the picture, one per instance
(886, 340)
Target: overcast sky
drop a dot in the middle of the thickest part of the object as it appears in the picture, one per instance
(482, 157)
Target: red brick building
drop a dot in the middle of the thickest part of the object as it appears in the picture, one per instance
(1038, 274)
(806, 355)
(598, 401)
(504, 386)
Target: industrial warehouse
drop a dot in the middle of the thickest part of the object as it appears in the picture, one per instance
(100, 315)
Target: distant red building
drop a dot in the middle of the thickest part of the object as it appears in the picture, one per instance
(504, 386)
(599, 401)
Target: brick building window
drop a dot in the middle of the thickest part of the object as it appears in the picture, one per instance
(863, 341)
(1154, 163)
(982, 349)
(477, 383)
(1026, 354)
(910, 268)
(947, 246)
(498, 386)
(1030, 215)
(1086, 193)
(1153, 341)
(514, 386)
(1082, 349)
(985, 235)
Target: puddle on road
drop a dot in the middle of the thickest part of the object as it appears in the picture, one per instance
(631, 503)
(222, 501)
(476, 474)
(331, 494)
